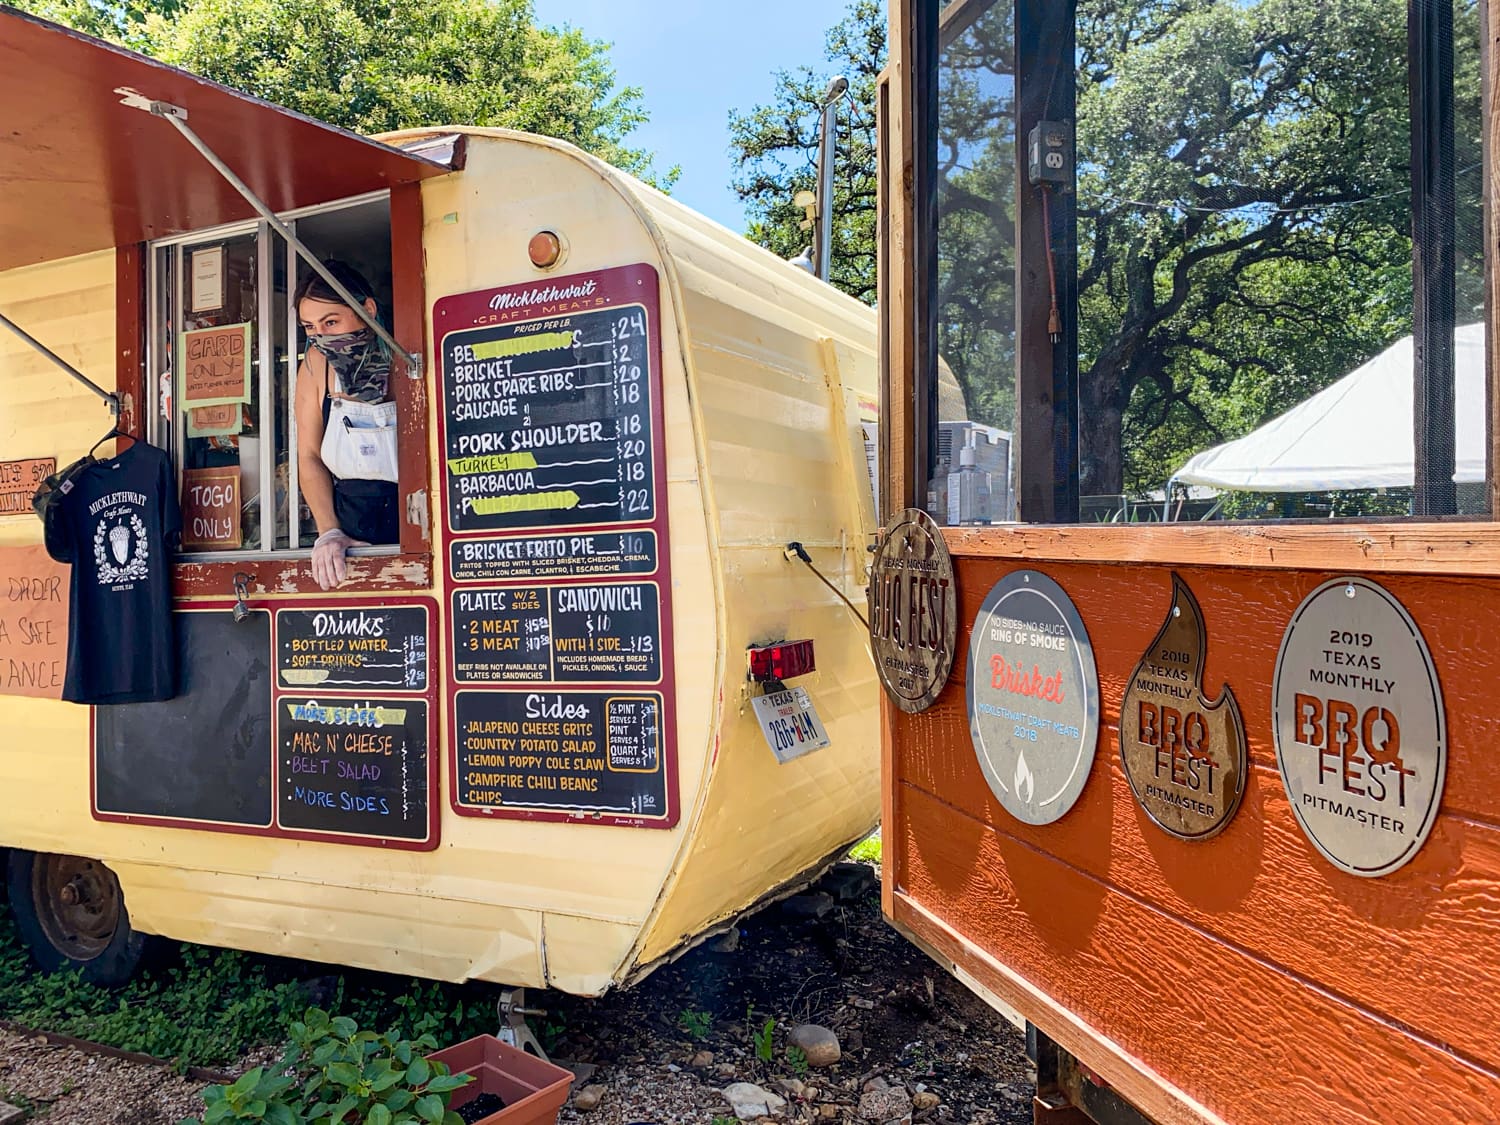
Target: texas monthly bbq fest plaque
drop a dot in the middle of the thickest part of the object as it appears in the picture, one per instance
(557, 550)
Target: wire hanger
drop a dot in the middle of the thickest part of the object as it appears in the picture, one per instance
(114, 432)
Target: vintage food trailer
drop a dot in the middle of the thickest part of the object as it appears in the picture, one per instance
(1210, 809)
(522, 745)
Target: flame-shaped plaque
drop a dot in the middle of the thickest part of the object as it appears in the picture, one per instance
(1033, 696)
(1184, 754)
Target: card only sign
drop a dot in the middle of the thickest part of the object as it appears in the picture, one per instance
(790, 723)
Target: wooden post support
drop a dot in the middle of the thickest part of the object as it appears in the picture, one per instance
(1046, 426)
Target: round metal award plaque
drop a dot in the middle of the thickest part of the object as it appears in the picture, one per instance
(1361, 737)
(1033, 694)
(913, 611)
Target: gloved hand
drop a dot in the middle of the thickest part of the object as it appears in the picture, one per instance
(328, 565)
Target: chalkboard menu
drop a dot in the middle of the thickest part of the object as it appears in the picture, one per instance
(557, 553)
(561, 634)
(203, 757)
(529, 558)
(356, 768)
(361, 648)
(583, 752)
(549, 423)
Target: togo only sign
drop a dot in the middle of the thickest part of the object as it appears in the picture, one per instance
(1361, 738)
(913, 611)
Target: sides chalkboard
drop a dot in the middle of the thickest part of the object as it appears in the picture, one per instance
(204, 756)
(356, 769)
(363, 648)
(580, 751)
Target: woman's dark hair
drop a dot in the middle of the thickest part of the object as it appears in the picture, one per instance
(350, 278)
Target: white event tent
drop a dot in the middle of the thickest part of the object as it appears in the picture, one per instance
(1356, 433)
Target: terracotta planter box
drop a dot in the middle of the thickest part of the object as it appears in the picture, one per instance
(532, 1090)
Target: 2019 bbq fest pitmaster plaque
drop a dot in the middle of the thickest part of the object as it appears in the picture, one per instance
(913, 611)
(1033, 694)
(1184, 754)
(557, 553)
(1361, 738)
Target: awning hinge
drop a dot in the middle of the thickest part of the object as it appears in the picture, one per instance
(177, 117)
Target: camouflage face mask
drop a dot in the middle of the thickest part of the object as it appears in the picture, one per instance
(360, 361)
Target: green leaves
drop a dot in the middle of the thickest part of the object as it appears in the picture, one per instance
(336, 1074)
(373, 66)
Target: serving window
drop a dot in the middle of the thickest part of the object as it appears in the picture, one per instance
(223, 352)
(1253, 284)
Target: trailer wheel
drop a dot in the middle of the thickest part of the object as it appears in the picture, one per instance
(71, 914)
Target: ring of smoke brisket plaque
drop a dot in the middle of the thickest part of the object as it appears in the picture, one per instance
(1033, 695)
(1361, 732)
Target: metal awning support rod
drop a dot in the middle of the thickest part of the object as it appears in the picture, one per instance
(177, 116)
(110, 398)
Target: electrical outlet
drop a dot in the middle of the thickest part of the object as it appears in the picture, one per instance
(1049, 153)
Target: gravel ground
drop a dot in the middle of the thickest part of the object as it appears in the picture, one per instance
(664, 1052)
(65, 1086)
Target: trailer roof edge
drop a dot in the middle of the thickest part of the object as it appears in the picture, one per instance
(81, 171)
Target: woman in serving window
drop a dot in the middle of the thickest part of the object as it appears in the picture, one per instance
(346, 423)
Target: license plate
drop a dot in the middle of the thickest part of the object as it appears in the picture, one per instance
(790, 723)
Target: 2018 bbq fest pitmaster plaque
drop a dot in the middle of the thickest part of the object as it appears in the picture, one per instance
(1033, 694)
(559, 634)
(1361, 737)
(913, 611)
(1184, 754)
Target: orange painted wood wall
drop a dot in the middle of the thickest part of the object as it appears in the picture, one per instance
(1242, 978)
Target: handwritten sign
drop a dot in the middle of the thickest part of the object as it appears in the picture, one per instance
(215, 421)
(216, 365)
(211, 508)
(359, 648)
(353, 768)
(19, 479)
(33, 623)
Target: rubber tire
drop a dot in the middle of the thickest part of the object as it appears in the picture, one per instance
(111, 968)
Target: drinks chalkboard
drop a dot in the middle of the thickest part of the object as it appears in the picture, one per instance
(353, 768)
(362, 648)
(576, 751)
(548, 423)
(561, 634)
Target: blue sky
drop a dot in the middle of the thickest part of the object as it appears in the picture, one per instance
(694, 61)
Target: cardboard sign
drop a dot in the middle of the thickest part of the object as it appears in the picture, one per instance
(215, 421)
(215, 365)
(19, 479)
(211, 509)
(33, 623)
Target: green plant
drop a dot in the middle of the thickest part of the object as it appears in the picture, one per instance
(796, 1058)
(762, 1040)
(695, 1023)
(867, 850)
(335, 1074)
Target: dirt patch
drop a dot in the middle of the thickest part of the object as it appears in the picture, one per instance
(911, 1037)
(65, 1086)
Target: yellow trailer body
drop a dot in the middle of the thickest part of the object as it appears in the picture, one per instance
(767, 388)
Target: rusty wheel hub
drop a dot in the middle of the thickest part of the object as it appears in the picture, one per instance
(78, 904)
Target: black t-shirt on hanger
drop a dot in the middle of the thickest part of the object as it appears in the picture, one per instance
(119, 521)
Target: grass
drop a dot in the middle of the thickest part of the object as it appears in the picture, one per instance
(207, 1007)
(867, 850)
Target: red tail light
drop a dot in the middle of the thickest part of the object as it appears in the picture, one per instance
(781, 661)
